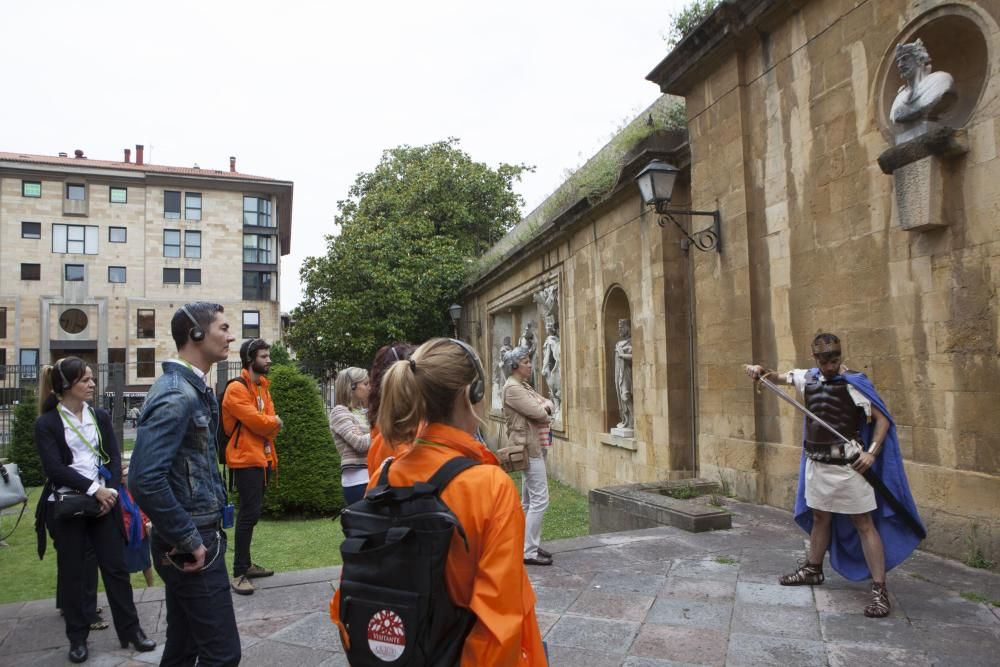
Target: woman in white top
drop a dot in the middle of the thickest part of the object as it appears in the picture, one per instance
(81, 458)
(351, 431)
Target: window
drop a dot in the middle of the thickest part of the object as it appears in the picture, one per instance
(117, 234)
(76, 191)
(251, 324)
(116, 355)
(118, 195)
(29, 363)
(258, 249)
(74, 239)
(257, 211)
(192, 245)
(145, 366)
(31, 189)
(171, 276)
(145, 323)
(31, 272)
(31, 230)
(192, 206)
(73, 320)
(171, 205)
(3, 363)
(256, 285)
(116, 274)
(171, 243)
(3, 322)
(73, 273)
(192, 276)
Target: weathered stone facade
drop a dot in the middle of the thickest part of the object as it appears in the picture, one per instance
(787, 107)
(33, 308)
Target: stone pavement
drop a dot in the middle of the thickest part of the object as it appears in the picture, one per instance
(650, 598)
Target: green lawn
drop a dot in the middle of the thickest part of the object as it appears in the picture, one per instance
(284, 545)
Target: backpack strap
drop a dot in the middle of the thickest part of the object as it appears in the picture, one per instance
(449, 471)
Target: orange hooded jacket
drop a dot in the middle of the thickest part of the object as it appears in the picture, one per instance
(490, 578)
(246, 449)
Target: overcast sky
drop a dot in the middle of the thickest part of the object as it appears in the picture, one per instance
(312, 92)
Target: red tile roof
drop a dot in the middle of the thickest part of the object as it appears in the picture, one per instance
(128, 166)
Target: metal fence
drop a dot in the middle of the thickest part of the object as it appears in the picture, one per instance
(20, 383)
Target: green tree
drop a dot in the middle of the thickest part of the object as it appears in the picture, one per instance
(308, 479)
(279, 354)
(688, 18)
(22, 441)
(409, 230)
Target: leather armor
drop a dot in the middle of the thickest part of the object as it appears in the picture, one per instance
(831, 402)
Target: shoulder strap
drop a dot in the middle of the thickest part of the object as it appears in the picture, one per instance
(449, 471)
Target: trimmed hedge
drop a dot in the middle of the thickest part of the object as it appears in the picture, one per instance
(22, 442)
(308, 480)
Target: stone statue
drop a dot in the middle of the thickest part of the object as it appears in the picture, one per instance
(547, 300)
(924, 95)
(500, 373)
(551, 366)
(528, 341)
(623, 378)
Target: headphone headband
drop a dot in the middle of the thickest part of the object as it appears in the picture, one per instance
(477, 390)
(195, 333)
(61, 374)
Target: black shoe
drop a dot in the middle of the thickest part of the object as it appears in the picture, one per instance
(139, 641)
(544, 553)
(538, 560)
(78, 651)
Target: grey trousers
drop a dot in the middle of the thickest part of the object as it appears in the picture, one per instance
(534, 502)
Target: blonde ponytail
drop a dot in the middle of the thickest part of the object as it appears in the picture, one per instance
(402, 407)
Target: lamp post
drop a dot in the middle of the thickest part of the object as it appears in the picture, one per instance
(656, 185)
(455, 312)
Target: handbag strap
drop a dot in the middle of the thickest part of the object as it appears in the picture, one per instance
(24, 506)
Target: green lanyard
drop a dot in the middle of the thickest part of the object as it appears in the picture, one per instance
(99, 452)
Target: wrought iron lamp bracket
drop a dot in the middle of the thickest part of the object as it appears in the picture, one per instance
(705, 240)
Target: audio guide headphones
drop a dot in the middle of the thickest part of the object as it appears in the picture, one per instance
(477, 390)
(195, 333)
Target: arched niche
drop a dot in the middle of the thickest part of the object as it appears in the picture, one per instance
(955, 38)
(616, 307)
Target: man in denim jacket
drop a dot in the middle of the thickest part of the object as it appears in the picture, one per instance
(175, 479)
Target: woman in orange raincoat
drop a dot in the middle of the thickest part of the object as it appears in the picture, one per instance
(488, 578)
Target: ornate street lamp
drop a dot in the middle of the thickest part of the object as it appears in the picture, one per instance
(656, 185)
(455, 312)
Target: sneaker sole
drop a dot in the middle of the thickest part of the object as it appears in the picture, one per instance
(239, 592)
(258, 576)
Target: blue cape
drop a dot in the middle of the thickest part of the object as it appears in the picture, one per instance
(898, 539)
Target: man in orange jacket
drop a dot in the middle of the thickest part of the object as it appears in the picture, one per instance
(248, 414)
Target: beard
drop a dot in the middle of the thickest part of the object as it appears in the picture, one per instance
(260, 368)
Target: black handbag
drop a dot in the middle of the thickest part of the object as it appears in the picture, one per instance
(73, 505)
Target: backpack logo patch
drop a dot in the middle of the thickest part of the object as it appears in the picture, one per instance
(386, 636)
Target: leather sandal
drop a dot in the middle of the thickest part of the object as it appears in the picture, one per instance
(807, 575)
(880, 606)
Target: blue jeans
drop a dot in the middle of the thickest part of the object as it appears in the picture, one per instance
(201, 624)
(353, 494)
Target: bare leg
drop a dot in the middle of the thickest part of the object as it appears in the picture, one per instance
(819, 537)
(811, 574)
(871, 544)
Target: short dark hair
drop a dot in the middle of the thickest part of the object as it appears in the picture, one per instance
(203, 313)
(250, 348)
(826, 338)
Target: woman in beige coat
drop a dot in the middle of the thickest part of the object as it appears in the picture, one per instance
(528, 414)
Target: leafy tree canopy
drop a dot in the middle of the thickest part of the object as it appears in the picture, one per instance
(408, 232)
(688, 18)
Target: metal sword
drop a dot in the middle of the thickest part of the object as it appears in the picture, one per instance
(785, 397)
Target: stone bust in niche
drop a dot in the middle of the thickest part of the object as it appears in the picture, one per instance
(924, 95)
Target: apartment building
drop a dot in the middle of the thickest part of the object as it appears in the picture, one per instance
(97, 255)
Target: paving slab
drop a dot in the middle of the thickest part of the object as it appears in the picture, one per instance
(657, 597)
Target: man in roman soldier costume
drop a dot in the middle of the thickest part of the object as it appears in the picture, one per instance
(853, 496)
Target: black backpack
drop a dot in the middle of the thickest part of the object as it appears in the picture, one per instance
(221, 437)
(393, 599)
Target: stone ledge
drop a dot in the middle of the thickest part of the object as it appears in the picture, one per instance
(615, 441)
(636, 506)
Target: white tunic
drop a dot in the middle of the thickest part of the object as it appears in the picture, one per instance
(835, 488)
